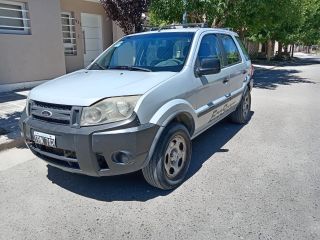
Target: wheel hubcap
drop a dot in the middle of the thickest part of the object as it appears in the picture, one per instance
(246, 106)
(175, 156)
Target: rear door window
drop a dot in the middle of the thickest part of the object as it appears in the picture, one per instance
(231, 50)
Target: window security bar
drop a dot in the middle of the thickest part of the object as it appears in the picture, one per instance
(66, 25)
(14, 9)
(25, 19)
(6, 26)
(68, 18)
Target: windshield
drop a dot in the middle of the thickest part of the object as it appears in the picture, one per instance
(148, 52)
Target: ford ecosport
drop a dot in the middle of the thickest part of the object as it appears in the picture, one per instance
(140, 103)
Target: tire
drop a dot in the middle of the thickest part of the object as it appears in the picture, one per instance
(242, 114)
(170, 161)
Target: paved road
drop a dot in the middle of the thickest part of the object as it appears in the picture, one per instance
(259, 181)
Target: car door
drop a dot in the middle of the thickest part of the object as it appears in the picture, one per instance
(234, 66)
(214, 87)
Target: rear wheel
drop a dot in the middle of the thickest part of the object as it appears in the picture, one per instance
(170, 161)
(242, 113)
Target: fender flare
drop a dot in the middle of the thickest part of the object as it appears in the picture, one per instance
(171, 109)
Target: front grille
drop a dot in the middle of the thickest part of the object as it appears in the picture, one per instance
(60, 114)
(57, 156)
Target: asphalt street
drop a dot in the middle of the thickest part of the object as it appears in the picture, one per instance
(257, 181)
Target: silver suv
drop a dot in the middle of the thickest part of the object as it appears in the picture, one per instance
(140, 103)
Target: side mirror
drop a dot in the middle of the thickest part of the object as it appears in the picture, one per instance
(208, 66)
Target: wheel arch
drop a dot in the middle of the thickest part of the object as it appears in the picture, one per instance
(179, 111)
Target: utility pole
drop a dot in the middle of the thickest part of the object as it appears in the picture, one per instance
(184, 18)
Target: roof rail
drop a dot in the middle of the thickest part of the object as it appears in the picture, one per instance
(228, 29)
(178, 25)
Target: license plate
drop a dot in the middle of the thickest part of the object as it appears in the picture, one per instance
(44, 139)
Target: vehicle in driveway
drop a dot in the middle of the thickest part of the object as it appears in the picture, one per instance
(140, 103)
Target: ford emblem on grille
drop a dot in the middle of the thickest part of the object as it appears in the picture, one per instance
(46, 113)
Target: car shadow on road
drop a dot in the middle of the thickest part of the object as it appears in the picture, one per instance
(132, 187)
(271, 79)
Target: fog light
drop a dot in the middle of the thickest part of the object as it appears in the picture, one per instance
(122, 157)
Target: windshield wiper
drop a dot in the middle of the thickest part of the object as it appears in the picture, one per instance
(99, 66)
(131, 68)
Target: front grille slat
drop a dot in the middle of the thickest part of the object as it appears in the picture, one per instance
(53, 106)
(60, 114)
(53, 155)
(61, 111)
(54, 116)
(56, 156)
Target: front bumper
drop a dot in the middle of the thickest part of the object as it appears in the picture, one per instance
(94, 151)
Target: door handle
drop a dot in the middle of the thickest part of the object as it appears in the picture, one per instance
(225, 80)
(84, 43)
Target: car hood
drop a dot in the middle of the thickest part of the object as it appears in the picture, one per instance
(85, 87)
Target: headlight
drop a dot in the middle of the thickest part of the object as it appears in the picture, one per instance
(109, 110)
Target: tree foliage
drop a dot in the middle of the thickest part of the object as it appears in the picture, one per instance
(309, 31)
(287, 21)
(126, 13)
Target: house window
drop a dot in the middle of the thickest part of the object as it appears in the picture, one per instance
(69, 33)
(14, 17)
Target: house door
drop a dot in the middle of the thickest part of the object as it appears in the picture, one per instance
(92, 36)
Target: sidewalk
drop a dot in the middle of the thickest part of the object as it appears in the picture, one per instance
(11, 106)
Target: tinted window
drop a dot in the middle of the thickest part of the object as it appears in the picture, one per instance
(154, 51)
(231, 50)
(209, 48)
(243, 48)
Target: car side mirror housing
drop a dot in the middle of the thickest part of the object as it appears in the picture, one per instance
(208, 66)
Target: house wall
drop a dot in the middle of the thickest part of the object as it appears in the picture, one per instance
(117, 32)
(78, 7)
(38, 56)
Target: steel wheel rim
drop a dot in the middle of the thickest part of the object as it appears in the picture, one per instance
(246, 106)
(175, 156)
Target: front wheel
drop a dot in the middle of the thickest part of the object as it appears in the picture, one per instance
(170, 161)
(242, 113)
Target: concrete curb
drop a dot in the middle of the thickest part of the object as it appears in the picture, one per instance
(261, 71)
(12, 143)
(263, 68)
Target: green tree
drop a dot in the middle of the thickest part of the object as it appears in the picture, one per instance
(286, 21)
(309, 31)
(166, 11)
